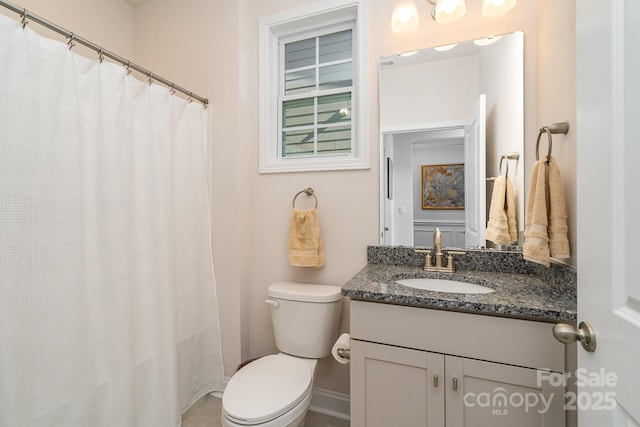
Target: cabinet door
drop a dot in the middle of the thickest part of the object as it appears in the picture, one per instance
(484, 394)
(395, 386)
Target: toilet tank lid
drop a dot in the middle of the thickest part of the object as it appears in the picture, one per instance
(307, 292)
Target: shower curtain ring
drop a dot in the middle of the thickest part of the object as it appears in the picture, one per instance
(127, 67)
(24, 20)
(172, 89)
(70, 42)
(190, 97)
(100, 55)
(150, 78)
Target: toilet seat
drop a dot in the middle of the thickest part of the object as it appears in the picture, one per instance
(267, 388)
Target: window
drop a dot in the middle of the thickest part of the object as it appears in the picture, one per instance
(311, 105)
(315, 95)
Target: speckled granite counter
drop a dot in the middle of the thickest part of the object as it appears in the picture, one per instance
(525, 293)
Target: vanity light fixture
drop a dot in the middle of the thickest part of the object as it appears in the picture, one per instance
(448, 11)
(408, 53)
(404, 16)
(486, 41)
(445, 47)
(491, 8)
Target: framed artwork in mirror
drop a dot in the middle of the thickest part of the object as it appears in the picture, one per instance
(443, 186)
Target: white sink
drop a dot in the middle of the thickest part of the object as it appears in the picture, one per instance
(444, 285)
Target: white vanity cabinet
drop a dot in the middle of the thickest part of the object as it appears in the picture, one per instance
(422, 367)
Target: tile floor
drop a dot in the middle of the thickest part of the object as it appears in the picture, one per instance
(206, 413)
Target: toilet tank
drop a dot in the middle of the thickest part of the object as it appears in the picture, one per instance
(305, 317)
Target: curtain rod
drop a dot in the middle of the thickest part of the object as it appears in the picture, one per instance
(73, 38)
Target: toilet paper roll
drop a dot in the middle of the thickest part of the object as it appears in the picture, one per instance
(344, 342)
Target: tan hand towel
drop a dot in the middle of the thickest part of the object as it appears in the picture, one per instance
(558, 228)
(305, 243)
(511, 211)
(536, 239)
(498, 225)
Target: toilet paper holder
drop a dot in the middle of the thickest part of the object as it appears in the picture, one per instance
(341, 350)
(344, 352)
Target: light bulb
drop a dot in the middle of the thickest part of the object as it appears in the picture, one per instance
(448, 11)
(404, 16)
(448, 6)
(491, 8)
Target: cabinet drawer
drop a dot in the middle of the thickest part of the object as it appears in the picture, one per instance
(504, 340)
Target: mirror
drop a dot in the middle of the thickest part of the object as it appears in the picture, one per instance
(448, 114)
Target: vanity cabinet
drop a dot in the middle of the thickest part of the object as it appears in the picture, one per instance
(421, 367)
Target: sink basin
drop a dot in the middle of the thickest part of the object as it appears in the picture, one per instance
(444, 285)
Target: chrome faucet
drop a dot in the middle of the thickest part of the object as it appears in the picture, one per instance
(436, 252)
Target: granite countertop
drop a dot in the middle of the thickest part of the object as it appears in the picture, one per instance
(523, 296)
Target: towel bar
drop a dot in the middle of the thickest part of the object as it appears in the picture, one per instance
(309, 192)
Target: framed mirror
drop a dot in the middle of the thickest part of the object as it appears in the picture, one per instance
(460, 104)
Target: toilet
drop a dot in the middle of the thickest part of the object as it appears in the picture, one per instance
(275, 390)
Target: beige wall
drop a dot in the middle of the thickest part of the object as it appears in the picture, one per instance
(556, 95)
(108, 23)
(211, 47)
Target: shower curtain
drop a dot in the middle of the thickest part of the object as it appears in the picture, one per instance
(108, 311)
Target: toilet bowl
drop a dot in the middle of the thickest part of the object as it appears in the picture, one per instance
(275, 390)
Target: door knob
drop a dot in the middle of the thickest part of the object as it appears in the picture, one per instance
(585, 333)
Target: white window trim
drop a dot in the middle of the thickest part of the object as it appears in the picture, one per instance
(274, 27)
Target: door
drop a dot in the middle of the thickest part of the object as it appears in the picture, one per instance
(475, 185)
(395, 386)
(387, 192)
(608, 106)
(486, 394)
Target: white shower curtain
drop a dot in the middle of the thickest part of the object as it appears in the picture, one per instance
(108, 311)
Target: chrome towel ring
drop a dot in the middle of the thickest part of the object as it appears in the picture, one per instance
(562, 127)
(309, 192)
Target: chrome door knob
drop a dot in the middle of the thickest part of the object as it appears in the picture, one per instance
(585, 333)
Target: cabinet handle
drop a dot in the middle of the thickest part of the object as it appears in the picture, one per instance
(435, 381)
(455, 384)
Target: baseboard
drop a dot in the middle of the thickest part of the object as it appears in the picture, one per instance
(323, 401)
(219, 394)
(330, 403)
